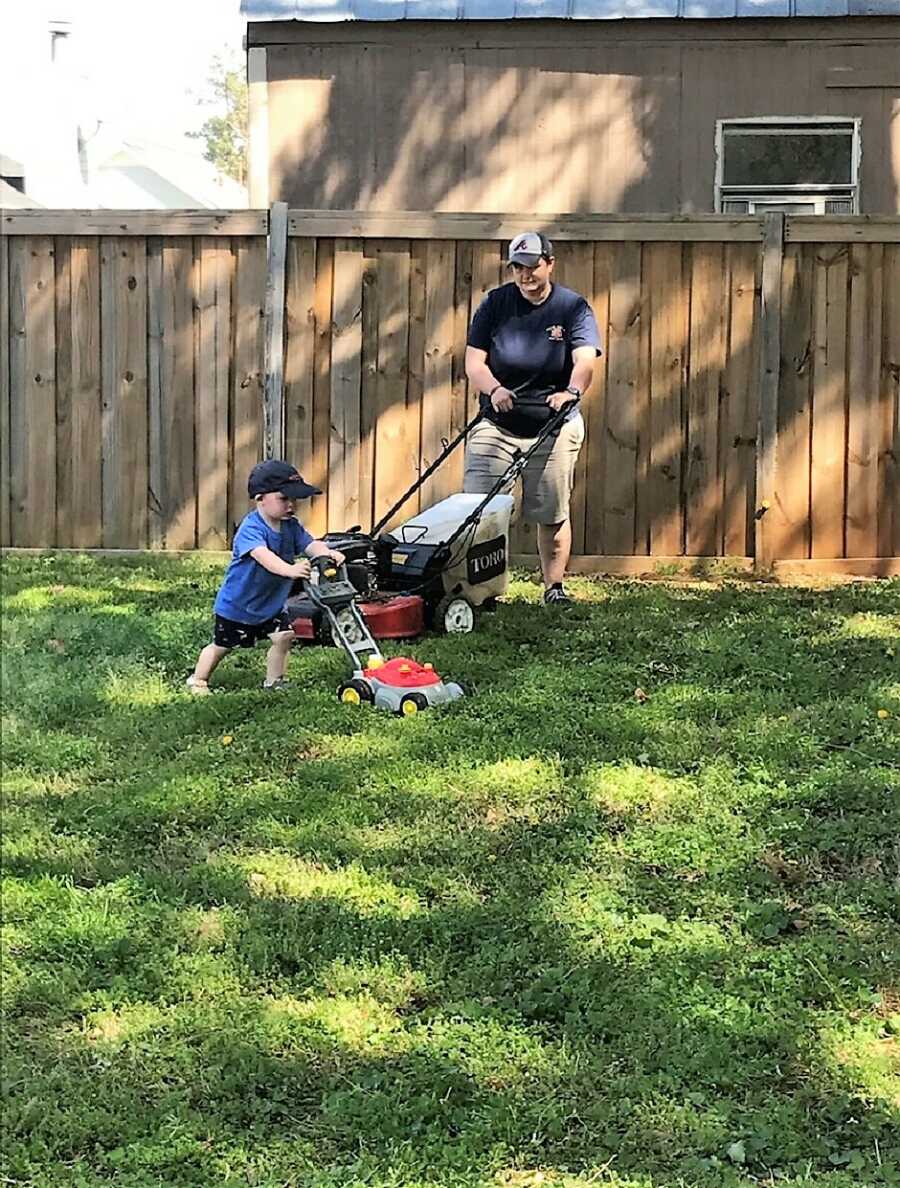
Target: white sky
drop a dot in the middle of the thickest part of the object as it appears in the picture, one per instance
(144, 63)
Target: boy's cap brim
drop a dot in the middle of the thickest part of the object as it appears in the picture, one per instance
(298, 490)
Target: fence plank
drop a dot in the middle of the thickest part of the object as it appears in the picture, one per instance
(211, 397)
(741, 412)
(829, 421)
(707, 365)
(317, 519)
(863, 372)
(247, 381)
(178, 496)
(595, 410)
(415, 381)
(791, 517)
(620, 475)
(125, 474)
(62, 291)
(155, 332)
(300, 322)
(273, 384)
(575, 269)
(5, 353)
(889, 484)
(395, 451)
(19, 296)
(346, 366)
(463, 403)
(33, 391)
(667, 312)
(642, 422)
(487, 270)
(87, 397)
(769, 371)
(437, 395)
(368, 384)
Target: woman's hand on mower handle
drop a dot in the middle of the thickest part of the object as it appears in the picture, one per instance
(336, 557)
(557, 400)
(502, 400)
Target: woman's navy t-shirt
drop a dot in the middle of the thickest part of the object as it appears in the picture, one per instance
(529, 349)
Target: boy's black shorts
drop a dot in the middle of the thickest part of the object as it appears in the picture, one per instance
(229, 634)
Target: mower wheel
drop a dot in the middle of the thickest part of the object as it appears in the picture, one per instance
(411, 704)
(356, 692)
(454, 615)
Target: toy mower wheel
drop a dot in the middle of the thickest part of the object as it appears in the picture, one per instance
(356, 692)
(411, 704)
(454, 615)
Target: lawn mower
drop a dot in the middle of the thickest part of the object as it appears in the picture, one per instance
(436, 569)
(402, 686)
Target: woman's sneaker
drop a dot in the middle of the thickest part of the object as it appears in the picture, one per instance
(197, 687)
(557, 596)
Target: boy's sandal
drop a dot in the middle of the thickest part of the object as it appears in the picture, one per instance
(198, 688)
(277, 686)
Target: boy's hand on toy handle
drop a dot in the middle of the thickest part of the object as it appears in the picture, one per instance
(302, 568)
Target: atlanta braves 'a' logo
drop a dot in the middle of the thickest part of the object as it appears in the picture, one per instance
(556, 333)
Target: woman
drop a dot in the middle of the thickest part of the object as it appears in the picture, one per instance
(530, 351)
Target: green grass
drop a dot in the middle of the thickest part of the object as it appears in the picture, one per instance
(554, 935)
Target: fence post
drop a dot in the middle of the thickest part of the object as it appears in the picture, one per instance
(273, 393)
(769, 375)
(5, 353)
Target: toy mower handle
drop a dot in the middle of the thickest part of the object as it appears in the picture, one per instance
(327, 568)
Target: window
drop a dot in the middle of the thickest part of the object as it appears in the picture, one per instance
(795, 165)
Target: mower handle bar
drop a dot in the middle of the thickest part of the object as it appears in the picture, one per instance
(448, 449)
(515, 468)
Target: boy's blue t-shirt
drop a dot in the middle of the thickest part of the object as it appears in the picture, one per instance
(250, 593)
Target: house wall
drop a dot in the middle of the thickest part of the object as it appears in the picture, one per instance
(562, 116)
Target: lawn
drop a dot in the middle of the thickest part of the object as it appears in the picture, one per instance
(629, 914)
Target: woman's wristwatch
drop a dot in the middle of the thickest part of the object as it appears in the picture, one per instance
(573, 391)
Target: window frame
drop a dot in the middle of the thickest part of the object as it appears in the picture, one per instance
(846, 191)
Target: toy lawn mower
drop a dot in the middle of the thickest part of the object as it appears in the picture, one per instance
(436, 569)
(402, 686)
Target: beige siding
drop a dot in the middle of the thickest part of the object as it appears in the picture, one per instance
(558, 116)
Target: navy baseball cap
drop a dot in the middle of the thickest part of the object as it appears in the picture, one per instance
(529, 248)
(274, 475)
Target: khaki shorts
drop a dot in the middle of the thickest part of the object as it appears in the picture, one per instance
(548, 476)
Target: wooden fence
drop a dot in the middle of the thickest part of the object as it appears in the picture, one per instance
(747, 404)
